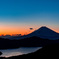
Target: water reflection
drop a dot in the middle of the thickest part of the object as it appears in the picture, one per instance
(19, 51)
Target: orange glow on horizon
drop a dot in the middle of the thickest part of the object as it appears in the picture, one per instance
(13, 30)
(22, 32)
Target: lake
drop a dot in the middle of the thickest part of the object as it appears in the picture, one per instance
(19, 51)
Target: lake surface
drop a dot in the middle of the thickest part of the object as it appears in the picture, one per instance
(19, 51)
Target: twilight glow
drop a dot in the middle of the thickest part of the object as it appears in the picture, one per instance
(17, 16)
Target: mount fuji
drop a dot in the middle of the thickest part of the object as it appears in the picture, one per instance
(45, 33)
(39, 38)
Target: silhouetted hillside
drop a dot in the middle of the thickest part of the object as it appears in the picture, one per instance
(8, 44)
(36, 42)
(28, 42)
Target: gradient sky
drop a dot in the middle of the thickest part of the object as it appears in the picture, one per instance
(17, 16)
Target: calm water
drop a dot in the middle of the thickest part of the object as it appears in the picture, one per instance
(19, 51)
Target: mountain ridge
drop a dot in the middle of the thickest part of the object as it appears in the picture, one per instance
(43, 32)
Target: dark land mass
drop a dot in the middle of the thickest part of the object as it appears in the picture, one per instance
(0, 53)
(49, 51)
(27, 42)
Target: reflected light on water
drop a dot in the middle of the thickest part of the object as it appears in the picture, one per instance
(19, 51)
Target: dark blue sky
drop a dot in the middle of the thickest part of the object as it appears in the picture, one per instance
(26, 7)
(29, 13)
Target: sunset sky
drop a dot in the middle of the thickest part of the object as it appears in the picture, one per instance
(17, 16)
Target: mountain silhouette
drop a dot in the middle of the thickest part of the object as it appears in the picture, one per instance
(45, 33)
(39, 38)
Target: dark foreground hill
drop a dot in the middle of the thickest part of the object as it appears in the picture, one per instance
(28, 42)
(0, 53)
(46, 52)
